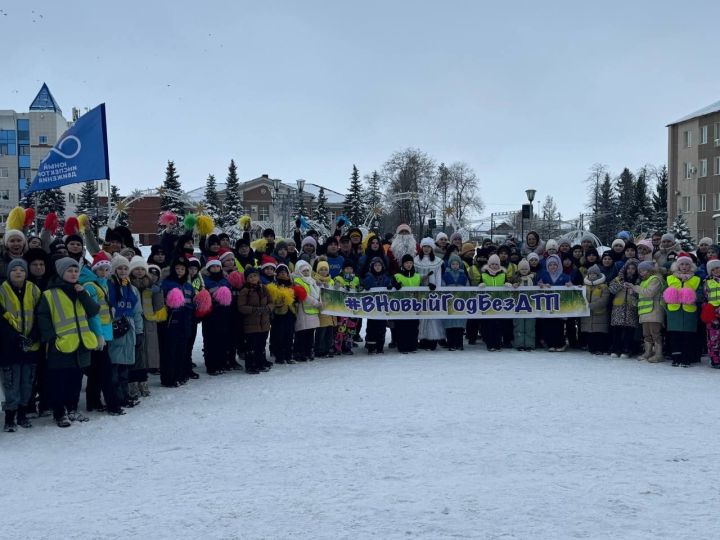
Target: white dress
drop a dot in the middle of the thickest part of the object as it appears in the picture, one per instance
(430, 328)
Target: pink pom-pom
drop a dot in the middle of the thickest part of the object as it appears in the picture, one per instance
(671, 295)
(687, 296)
(223, 296)
(167, 219)
(175, 299)
(236, 279)
(203, 303)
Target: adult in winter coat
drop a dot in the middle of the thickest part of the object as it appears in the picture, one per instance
(20, 343)
(376, 278)
(596, 326)
(63, 314)
(668, 245)
(524, 328)
(624, 315)
(650, 311)
(429, 268)
(254, 305)
(553, 328)
(216, 330)
(374, 250)
(682, 312)
(174, 334)
(532, 244)
(308, 310)
(15, 246)
(454, 276)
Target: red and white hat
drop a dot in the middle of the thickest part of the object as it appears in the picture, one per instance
(101, 260)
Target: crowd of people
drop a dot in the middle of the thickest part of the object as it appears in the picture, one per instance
(73, 308)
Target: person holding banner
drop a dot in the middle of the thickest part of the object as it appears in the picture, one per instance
(454, 276)
(493, 275)
(429, 268)
(307, 319)
(554, 329)
(376, 278)
(406, 330)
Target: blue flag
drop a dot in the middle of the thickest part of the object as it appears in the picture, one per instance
(80, 155)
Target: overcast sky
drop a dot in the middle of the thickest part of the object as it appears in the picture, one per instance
(530, 94)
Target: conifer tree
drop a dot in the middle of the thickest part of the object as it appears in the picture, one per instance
(88, 199)
(373, 193)
(212, 200)
(232, 205)
(626, 200)
(659, 201)
(50, 200)
(321, 212)
(642, 209)
(29, 199)
(604, 218)
(115, 197)
(170, 201)
(682, 233)
(354, 207)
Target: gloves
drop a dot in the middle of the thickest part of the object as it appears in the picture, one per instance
(101, 343)
(347, 287)
(397, 285)
(139, 340)
(390, 286)
(432, 286)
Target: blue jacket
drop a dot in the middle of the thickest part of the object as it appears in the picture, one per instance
(547, 280)
(99, 329)
(451, 281)
(370, 281)
(336, 264)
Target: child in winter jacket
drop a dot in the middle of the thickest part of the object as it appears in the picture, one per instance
(493, 275)
(325, 333)
(554, 328)
(346, 326)
(375, 278)
(175, 333)
(624, 315)
(524, 329)
(307, 293)
(216, 329)
(595, 327)
(406, 330)
(711, 311)
(682, 312)
(472, 326)
(650, 312)
(454, 276)
(282, 330)
(254, 305)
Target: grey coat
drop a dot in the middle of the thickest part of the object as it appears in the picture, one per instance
(122, 349)
(598, 297)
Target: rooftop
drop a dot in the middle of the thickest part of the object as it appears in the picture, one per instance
(333, 197)
(712, 108)
(44, 101)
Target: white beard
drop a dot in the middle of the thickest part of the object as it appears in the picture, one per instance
(403, 244)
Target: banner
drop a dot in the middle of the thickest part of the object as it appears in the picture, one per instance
(80, 155)
(457, 303)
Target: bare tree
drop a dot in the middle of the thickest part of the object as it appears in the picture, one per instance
(465, 189)
(411, 171)
(594, 179)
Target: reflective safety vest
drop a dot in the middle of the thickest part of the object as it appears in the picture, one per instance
(102, 299)
(20, 318)
(693, 283)
(475, 275)
(310, 310)
(70, 322)
(713, 292)
(408, 281)
(645, 305)
(498, 280)
(353, 283)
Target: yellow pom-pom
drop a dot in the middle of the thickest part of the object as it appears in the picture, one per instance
(244, 222)
(83, 222)
(205, 225)
(281, 295)
(259, 245)
(15, 219)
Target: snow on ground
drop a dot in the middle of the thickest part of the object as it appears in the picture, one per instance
(430, 445)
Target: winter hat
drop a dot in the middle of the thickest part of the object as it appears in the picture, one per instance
(712, 263)
(586, 237)
(242, 242)
(281, 244)
(101, 260)
(118, 261)
(377, 260)
(440, 236)
(403, 227)
(683, 257)
(553, 258)
(564, 241)
(138, 262)
(427, 242)
(670, 237)
(594, 269)
(74, 238)
(193, 261)
(62, 265)
(128, 253)
(456, 236)
(309, 240)
(14, 233)
(454, 258)
(15, 263)
(268, 232)
(226, 254)
(592, 251)
(268, 264)
(649, 266)
(212, 262)
(618, 242)
(282, 268)
(154, 269)
(533, 256)
(493, 259)
(348, 263)
(322, 265)
(36, 254)
(705, 241)
(213, 240)
(354, 232)
(551, 244)
(251, 270)
(647, 244)
(624, 235)
(405, 258)
(631, 245)
(523, 266)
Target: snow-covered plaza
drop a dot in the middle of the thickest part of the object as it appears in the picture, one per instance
(430, 445)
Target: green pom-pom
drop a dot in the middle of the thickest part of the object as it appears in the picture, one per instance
(189, 222)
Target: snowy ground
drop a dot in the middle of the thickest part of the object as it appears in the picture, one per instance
(432, 445)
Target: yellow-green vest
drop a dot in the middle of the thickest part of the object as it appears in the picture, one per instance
(693, 283)
(475, 275)
(70, 322)
(20, 318)
(645, 305)
(310, 310)
(102, 299)
(408, 281)
(353, 283)
(713, 292)
(498, 280)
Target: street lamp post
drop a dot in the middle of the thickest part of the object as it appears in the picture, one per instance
(530, 193)
(300, 186)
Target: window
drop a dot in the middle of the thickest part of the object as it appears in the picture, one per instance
(4, 172)
(703, 135)
(23, 150)
(71, 198)
(24, 173)
(717, 166)
(703, 168)
(5, 194)
(253, 210)
(264, 213)
(716, 201)
(703, 203)
(687, 138)
(688, 170)
(23, 131)
(24, 162)
(686, 204)
(716, 133)
(42, 139)
(717, 235)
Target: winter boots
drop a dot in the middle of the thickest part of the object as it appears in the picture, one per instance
(10, 425)
(144, 389)
(658, 356)
(648, 351)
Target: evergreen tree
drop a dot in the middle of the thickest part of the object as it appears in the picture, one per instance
(682, 233)
(321, 212)
(29, 200)
(51, 200)
(212, 200)
(626, 200)
(550, 224)
(88, 199)
(232, 206)
(354, 207)
(170, 201)
(603, 223)
(115, 197)
(659, 201)
(114, 194)
(642, 209)
(373, 193)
